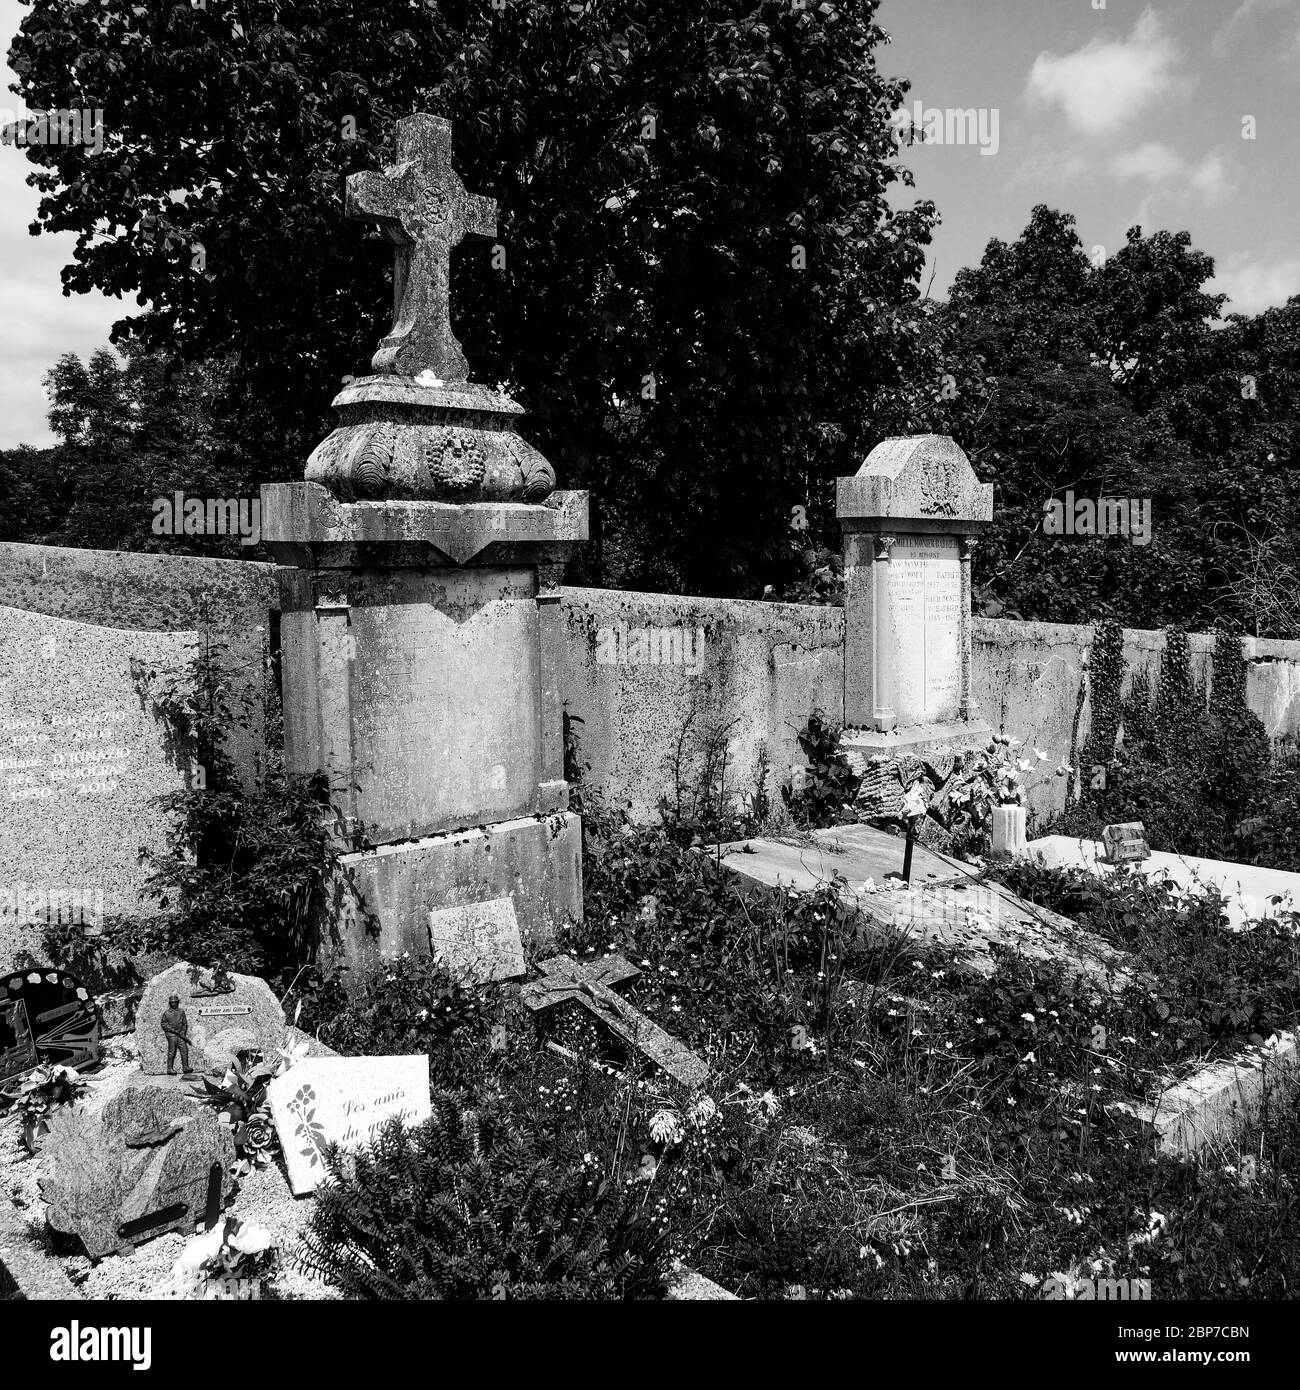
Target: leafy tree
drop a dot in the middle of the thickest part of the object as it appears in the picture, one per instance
(702, 266)
(135, 428)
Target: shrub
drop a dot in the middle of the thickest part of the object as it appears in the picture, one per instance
(831, 786)
(406, 1004)
(462, 1206)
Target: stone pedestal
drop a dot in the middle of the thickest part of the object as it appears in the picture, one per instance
(419, 652)
(910, 518)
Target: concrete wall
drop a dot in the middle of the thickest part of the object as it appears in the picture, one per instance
(226, 602)
(762, 669)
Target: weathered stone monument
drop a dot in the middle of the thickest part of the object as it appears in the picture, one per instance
(420, 631)
(152, 1161)
(910, 518)
(224, 1017)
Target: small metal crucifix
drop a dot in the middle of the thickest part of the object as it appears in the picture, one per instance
(423, 208)
(590, 986)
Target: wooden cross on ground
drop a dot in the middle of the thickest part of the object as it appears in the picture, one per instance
(590, 986)
(423, 208)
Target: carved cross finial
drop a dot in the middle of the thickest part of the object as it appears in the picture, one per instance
(423, 208)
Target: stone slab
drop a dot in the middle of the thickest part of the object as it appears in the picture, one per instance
(84, 755)
(535, 862)
(1246, 888)
(304, 525)
(482, 938)
(344, 1101)
(946, 904)
(220, 1023)
(151, 1161)
(688, 1286)
(1214, 1104)
(925, 619)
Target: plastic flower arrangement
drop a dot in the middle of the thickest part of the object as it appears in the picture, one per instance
(38, 1094)
(230, 1261)
(996, 777)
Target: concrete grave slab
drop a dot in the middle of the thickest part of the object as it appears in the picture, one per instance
(946, 903)
(1215, 1103)
(1247, 888)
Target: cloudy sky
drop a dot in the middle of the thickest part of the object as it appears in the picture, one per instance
(1117, 111)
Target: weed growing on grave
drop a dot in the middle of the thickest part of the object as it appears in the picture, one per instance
(245, 869)
(1210, 989)
(831, 784)
(467, 1205)
(406, 1004)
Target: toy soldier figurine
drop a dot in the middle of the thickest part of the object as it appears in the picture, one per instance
(177, 1028)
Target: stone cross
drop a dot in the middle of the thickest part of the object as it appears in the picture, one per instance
(423, 208)
(590, 986)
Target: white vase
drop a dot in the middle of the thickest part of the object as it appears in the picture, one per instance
(1008, 830)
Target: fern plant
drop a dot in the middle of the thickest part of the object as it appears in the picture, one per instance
(464, 1206)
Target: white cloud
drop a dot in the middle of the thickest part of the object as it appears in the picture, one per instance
(1253, 284)
(1108, 83)
(1152, 162)
(1210, 179)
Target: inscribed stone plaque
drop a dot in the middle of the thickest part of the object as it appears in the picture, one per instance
(83, 756)
(925, 606)
(481, 937)
(222, 1022)
(151, 1162)
(344, 1101)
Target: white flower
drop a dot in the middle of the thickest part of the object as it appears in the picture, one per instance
(1042, 757)
(249, 1239)
(665, 1128)
(1028, 1017)
(703, 1110)
(198, 1252)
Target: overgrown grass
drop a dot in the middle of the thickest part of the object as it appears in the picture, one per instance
(877, 1124)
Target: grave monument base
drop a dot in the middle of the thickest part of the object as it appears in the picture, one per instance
(536, 863)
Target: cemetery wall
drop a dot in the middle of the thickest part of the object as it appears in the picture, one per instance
(768, 665)
(232, 603)
(656, 679)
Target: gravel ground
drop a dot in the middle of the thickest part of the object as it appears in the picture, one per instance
(263, 1198)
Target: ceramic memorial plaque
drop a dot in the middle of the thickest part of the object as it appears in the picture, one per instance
(52, 1018)
(345, 1101)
